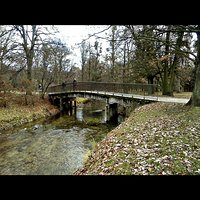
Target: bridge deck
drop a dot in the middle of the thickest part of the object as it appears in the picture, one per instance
(131, 96)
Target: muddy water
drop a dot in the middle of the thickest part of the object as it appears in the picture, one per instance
(58, 147)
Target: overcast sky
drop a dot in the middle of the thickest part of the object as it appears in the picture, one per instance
(74, 34)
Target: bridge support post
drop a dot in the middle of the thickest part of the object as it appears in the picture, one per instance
(70, 107)
(66, 106)
(112, 113)
(75, 106)
(61, 104)
(107, 111)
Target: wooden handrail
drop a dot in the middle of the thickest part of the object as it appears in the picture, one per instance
(128, 88)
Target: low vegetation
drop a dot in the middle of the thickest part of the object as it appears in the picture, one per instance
(157, 139)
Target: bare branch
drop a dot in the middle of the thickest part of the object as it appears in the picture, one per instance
(95, 34)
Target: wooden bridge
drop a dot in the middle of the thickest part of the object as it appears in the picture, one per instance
(112, 93)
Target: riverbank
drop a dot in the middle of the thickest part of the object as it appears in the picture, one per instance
(19, 111)
(157, 139)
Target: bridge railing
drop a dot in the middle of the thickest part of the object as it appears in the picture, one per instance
(128, 88)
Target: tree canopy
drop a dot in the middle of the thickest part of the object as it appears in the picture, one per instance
(166, 55)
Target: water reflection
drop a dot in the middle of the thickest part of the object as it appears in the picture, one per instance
(98, 110)
(82, 114)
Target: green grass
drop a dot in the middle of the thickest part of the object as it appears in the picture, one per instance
(80, 100)
(177, 95)
(183, 94)
(92, 121)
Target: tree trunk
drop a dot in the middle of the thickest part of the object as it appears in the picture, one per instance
(150, 87)
(82, 71)
(177, 84)
(195, 99)
(175, 63)
(113, 75)
(196, 92)
(29, 75)
(29, 67)
(124, 64)
(165, 84)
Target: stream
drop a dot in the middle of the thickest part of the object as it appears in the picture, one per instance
(55, 147)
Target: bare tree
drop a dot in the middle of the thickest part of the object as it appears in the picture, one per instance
(84, 54)
(31, 36)
(53, 65)
(195, 98)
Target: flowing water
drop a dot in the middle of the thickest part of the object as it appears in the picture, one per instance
(57, 147)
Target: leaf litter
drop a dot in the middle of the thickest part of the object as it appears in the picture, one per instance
(156, 139)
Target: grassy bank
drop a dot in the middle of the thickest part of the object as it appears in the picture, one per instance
(17, 111)
(157, 139)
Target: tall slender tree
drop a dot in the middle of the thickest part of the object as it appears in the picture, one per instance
(195, 98)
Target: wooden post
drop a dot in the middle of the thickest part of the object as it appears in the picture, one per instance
(75, 107)
(107, 111)
(61, 104)
(70, 107)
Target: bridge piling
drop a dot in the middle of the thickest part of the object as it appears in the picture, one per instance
(111, 113)
(61, 104)
(107, 110)
(75, 106)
